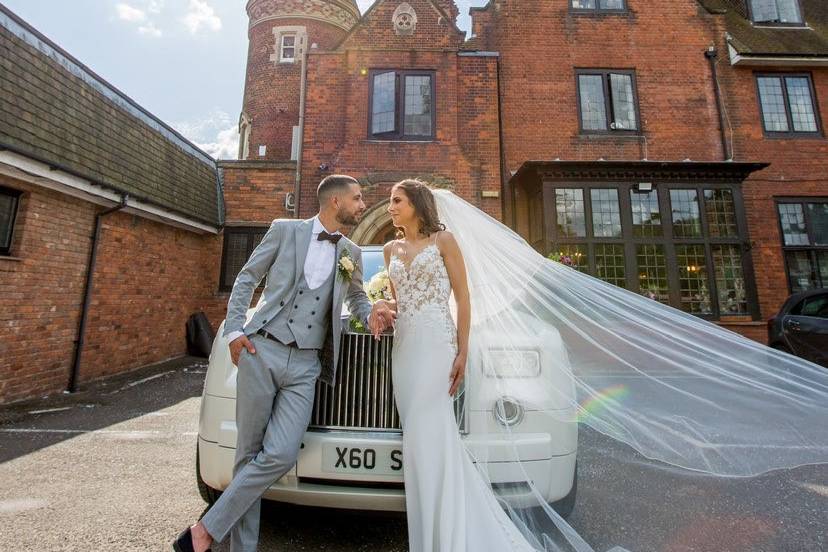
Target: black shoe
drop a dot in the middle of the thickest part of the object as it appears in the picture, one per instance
(184, 542)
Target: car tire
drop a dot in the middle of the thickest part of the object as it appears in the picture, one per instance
(566, 505)
(208, 494)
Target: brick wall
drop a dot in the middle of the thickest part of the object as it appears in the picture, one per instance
(271, 92)
(542, 44)
(798, 168)
(149, 278)
(254, 191)
(465, 154)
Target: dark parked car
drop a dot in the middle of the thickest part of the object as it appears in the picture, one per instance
(801, 327)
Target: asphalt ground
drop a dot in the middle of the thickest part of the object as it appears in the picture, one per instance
(113, 468)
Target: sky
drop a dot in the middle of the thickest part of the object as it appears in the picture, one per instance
(182, 60)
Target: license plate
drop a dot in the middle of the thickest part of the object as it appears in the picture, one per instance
(375, 459)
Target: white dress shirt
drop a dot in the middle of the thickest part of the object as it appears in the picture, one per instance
(321, 255)
(318, 263)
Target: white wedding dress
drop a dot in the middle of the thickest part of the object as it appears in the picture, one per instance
(450, 507)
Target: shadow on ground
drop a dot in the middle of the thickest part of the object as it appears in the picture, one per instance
(31, 425)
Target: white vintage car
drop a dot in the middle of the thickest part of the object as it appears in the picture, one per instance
(351, 455)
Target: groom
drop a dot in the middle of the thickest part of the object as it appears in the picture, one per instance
(311, 268)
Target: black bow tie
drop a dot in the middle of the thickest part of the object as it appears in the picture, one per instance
(333, 238)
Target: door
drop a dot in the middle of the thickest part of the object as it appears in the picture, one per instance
(806, 329)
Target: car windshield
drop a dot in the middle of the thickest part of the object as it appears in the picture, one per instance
(372, 262)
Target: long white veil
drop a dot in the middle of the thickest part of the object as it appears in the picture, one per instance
(552, 348)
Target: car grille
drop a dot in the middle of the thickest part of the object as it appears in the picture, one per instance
(363, 397)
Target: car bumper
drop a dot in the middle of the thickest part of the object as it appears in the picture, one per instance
(313, 483)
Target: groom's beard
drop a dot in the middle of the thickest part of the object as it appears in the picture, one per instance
(348, 219)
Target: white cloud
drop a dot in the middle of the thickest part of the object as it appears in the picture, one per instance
(201, 15)
(155, 6)
(150, 30)
(226, 145)
(217, 134)
(130, 13)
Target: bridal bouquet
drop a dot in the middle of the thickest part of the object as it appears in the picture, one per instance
(379, 287)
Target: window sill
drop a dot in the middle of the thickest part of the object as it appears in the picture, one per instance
(632, 136)
(745, 320)
(400, 141)
(817, 136)
(599, 13)
(10, 258)
(786, 26)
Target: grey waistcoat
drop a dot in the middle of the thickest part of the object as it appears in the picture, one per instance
(305, 315)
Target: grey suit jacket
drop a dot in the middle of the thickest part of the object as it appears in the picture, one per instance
(281, 258)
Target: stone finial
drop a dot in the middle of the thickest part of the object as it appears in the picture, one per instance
(404, 19)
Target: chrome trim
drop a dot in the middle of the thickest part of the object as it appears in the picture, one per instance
(363, 397)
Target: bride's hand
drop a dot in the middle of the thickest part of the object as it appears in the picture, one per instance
(458, 372)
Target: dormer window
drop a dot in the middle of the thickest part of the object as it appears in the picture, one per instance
(782, 12)
(288, 48)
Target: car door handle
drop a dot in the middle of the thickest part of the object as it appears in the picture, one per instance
(793, 325)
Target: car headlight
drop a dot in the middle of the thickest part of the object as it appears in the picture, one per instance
(512, 363)
(508, 411)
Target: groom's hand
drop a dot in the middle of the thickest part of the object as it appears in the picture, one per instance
(236, 347)
(382, 317)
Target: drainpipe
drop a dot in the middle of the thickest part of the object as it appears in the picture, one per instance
(503, 166)
(87, 294)
(301, 134)
(711, 54)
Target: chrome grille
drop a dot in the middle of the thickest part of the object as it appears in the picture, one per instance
(363, 397)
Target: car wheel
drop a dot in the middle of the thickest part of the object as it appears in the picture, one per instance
(565, 505)
(208, 494)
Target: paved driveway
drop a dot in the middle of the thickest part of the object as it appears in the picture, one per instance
(112, 468)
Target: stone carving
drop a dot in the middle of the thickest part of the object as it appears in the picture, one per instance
(404, 19)
(341, 14)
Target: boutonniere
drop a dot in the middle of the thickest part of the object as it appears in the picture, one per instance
(346, 265)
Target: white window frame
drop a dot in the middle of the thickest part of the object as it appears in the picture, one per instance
(300, 39)
(282, 47)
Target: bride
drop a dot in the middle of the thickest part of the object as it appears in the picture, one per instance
(678, 390)
(449, 506)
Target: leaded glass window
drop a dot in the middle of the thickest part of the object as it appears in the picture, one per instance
(646, 213)
(787, 104)
(239, 243)
(652, 272)
(607, 101)
(402, 105)
(569, 204)
(776, 11)
(804, 229)
(606, 213)
(610, 264)
(730, 280)
(686, 214)
(720, 212)
(693, 282)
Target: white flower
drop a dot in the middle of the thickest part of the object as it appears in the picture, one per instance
(347, 264)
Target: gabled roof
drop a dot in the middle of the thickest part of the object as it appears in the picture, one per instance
(58, 111)
(749, 39)
(370, 13)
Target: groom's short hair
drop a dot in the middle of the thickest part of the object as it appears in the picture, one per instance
(333, 184)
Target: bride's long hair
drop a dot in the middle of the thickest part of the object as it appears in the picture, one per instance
(425, 207)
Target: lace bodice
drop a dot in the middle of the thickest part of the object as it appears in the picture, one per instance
(423, 288)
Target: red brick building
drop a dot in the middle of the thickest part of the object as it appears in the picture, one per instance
(109, 224)
(673, 148)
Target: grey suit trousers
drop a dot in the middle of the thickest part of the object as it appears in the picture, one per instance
(275, 389)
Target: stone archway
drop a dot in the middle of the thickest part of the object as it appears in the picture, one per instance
(375, 228)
